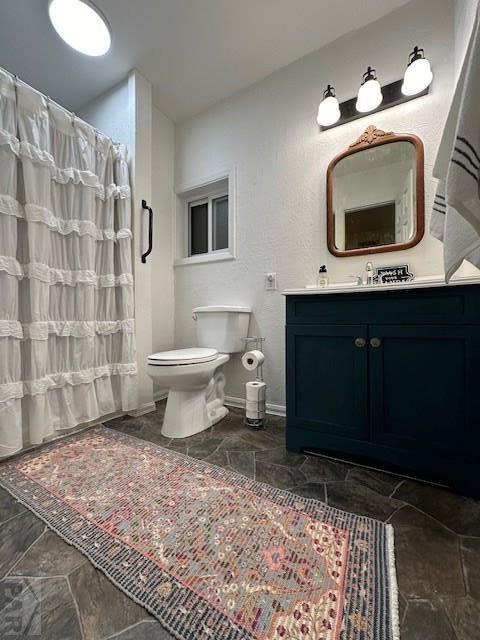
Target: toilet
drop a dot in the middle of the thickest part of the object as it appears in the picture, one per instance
(194, 376)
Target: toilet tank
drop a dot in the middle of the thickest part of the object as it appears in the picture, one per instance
(222, 327)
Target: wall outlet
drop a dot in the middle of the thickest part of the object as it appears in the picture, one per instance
(270, 281)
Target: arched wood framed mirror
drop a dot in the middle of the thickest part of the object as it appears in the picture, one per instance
(375, 195)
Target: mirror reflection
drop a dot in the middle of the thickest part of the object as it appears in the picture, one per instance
(374, 197)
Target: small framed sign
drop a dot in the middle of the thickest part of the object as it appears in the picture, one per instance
(395, 273)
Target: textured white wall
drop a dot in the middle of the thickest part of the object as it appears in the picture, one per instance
(125, 114)
(141, 107)
(163, 203)
(268, 132)
(109, 113)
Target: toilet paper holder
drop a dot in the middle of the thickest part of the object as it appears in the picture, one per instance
(257, 343)
(257, 422)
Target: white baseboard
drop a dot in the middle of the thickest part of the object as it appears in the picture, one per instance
(146, 408)
(102, 419)
(141, 411)
(272, 409)
(230, 401)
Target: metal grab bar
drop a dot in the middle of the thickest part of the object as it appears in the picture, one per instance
(150, 231)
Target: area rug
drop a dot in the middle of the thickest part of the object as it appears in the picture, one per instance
(210, 553)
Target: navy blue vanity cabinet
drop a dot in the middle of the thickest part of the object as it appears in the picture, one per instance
(323, 363)
(390, 378)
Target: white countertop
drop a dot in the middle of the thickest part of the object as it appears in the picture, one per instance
(351, 287)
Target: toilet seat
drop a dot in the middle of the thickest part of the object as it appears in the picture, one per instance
(182, 356)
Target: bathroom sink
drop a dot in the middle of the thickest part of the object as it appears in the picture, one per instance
(352, 287)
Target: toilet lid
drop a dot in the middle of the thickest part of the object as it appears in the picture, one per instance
(183, 356)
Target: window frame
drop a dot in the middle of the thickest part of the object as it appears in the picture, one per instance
(214, 186)
(205, 199)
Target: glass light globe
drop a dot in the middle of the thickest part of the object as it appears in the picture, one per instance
(369, 96)
(81, 26)
(328, 112)
(418, 77)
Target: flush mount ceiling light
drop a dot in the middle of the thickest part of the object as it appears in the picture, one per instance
(328, 110)
(370, 93)
(418, 75)
(81, 25)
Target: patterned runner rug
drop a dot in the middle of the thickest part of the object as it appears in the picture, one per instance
(211, 554)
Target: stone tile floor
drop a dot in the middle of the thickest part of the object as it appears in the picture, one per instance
(49, 590)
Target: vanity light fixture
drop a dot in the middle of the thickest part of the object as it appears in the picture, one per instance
(372, 97)
(328, 110)
(370, 93)
(81, 25)
(418, 75)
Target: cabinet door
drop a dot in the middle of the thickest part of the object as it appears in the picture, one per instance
(425, 389)
(327, 379)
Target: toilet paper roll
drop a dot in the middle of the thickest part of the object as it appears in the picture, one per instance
(253, 405)
(252, 359)
(255, 391)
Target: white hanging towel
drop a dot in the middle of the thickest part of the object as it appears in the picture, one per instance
(456, 209)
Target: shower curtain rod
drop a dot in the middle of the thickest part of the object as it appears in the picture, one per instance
(72, 115)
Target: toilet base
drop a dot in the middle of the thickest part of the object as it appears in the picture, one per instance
(187, 413)
(192, 411)
(217, 415)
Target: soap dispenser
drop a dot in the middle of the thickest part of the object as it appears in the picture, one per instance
(369, 270)
(322, 278)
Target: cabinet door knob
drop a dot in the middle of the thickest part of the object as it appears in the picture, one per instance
(375, 343)
(360, 342)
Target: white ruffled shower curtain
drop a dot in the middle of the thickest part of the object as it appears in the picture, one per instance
(67, 342)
